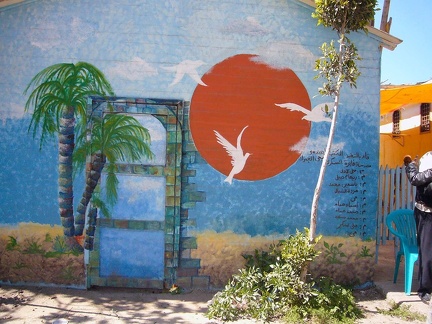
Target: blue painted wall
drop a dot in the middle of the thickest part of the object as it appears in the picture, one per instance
(136, 44)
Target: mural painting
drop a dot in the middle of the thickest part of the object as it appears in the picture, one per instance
(230, 137)
(276, 109)
(136, 244)
(36, 253)
(244, 95)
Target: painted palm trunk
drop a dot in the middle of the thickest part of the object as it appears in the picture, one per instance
(96, 166)
(59, 101)
(66, 143)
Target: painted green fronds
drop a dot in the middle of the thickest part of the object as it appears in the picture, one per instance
(60, 86)
(121, 137)
(118, 137)
(115, 138)
(59, 99)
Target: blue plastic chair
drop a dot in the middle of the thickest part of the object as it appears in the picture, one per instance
(402, 224)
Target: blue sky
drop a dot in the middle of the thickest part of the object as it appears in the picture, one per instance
(411, 61)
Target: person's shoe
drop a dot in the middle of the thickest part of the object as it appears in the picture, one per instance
(425, 297)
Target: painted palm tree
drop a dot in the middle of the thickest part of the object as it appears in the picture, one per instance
(59, 99)
(113, 138)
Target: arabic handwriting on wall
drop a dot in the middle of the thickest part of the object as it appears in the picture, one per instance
(350, 188)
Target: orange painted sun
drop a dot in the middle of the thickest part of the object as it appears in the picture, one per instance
(240, 92)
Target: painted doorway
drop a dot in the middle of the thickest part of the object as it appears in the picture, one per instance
(138, 246)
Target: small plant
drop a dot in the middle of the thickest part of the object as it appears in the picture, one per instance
(333, 253)
(175, 290)
(12, 244)
(32, 246)
(76, 250)
(59, 248)
(67, 273)
(262, 259)
(365, 252)
(271, 287)
(403, 312)
(19, 265)
(60, 245)
(52, 254)
(48, 237)
(334, 302)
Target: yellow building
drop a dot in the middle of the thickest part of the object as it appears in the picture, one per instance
(405, 122)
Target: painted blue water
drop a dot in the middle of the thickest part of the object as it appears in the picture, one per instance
(131, 254)
(28, 176)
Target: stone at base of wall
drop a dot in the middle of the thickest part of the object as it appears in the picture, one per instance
(194, 282)
(187, 272)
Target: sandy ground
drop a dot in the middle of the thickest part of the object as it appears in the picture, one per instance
(57, 305)
(108, 305)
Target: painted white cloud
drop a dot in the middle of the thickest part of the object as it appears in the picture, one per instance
(47, 35)
(136, 186)
(11, 111)
(155, 134)
(134, 70)
(300, 145)
(316, 145)
(81, 31)
(249, 26)
(154, 126)
(281, 55)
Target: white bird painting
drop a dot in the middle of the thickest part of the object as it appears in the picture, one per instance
(186, 67)
(319, 113)
(238, 158)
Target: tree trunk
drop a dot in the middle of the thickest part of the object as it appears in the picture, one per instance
(91, 229)
(317, 193)
(66, 144)
(97, 164)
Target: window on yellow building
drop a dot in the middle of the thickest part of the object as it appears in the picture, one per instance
(396, 122)
(424, 117)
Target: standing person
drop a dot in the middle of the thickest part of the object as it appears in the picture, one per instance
(423, 218)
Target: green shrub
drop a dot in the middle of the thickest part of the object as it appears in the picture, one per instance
(335, 301)
(60, 245)
(32, 246)
(12, 244)
(333, 254)
(271, 286)
(262, 259)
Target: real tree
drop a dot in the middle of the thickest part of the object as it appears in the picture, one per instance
(337, 65)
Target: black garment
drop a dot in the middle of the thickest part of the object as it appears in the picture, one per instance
(421, 180)
(424, 239)
(424, 224)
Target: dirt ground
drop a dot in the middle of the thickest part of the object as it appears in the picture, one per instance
(108, 305)
(58, 305)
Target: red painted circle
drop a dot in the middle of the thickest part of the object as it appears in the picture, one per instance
(243, 92)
